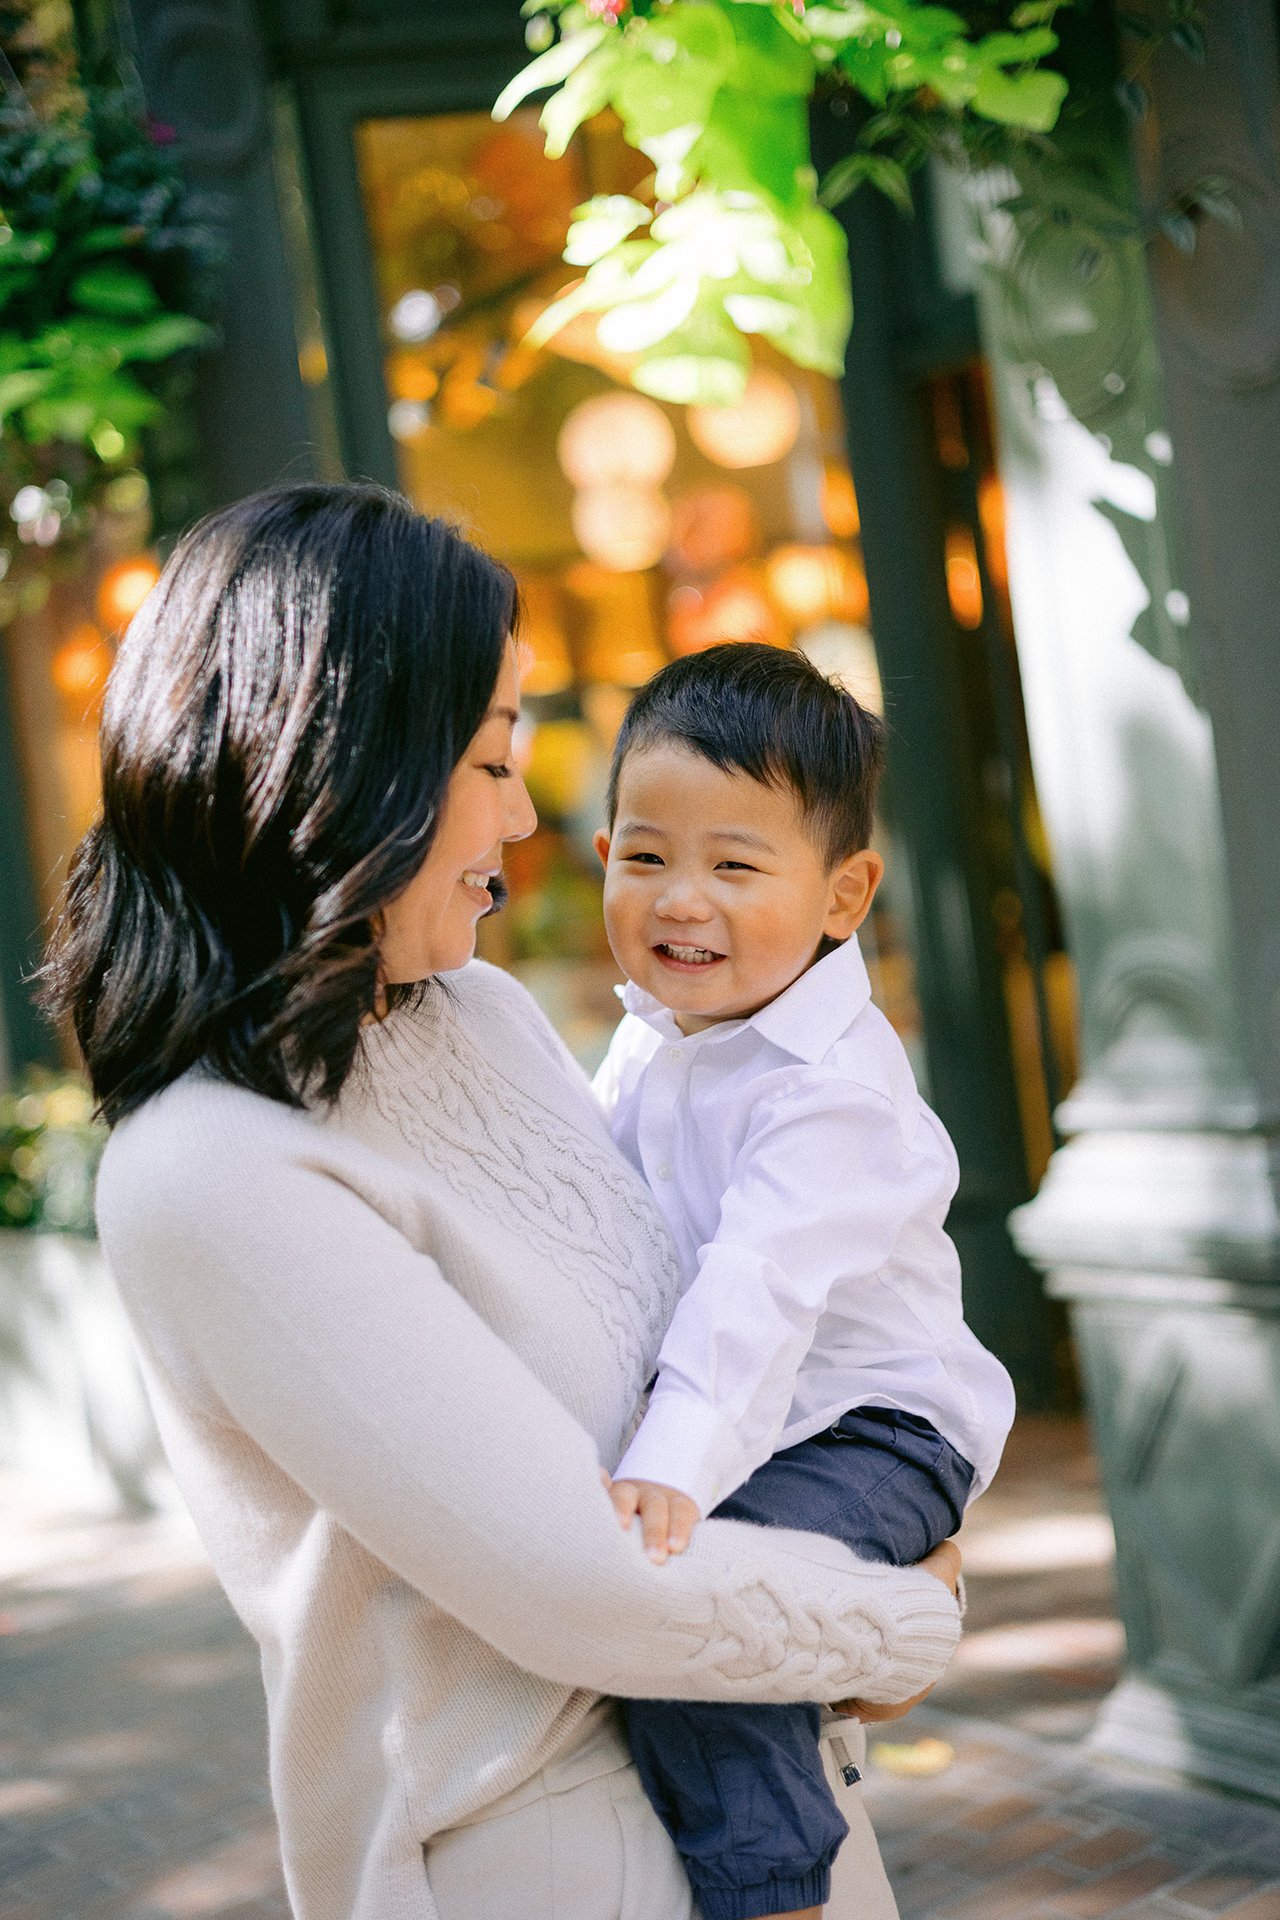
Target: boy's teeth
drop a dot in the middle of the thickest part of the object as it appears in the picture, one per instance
(688, 953)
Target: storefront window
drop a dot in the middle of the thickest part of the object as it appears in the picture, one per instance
(638, 532)
(58, 654)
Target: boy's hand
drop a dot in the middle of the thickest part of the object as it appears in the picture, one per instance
(667, 1516)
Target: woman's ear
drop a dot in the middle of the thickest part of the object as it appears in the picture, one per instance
(853, 888)
(600, 841)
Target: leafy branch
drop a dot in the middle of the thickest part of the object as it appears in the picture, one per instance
(735, 236)
(108, 265)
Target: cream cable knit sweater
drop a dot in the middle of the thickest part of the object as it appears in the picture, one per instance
(388, 1347)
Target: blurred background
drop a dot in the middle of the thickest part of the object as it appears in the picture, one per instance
(1032, 521)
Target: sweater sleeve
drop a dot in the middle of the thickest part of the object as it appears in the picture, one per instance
(310, 1322)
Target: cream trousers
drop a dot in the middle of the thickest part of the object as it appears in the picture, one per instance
(580, 1842)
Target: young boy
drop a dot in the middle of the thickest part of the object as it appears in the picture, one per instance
(817, 1371)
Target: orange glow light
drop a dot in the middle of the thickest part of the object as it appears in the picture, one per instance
(991, 515)
(811, 584)
(838, 500)
(964, 582)
(80, 667)
(763, 426)
(735, 608)
(411, 377)
(124, 587)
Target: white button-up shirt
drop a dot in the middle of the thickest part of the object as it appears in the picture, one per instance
(806, 1184)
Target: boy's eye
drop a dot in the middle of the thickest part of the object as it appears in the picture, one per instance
(735, 866)
(642, 859)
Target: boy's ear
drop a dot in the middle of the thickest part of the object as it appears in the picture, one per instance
(853, 888)
(600, 841)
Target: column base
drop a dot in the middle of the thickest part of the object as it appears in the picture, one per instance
(1180, 1726)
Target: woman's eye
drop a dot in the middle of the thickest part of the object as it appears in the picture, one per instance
(500, 772)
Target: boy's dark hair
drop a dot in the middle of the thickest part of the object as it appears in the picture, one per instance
(769, 713)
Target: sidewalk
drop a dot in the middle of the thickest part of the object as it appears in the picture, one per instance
(132, 1757)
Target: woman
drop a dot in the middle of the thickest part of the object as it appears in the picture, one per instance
(395, 1293)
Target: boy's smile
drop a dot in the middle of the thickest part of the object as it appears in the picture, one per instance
(717, 895)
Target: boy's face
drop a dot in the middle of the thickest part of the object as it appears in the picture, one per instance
(716, 896)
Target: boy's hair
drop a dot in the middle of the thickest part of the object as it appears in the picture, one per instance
(769, 713)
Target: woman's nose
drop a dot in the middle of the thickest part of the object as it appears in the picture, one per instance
(521, 816)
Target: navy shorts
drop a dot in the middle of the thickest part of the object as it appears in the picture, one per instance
(741, 1790)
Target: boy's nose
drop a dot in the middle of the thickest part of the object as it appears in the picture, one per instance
(681, 900)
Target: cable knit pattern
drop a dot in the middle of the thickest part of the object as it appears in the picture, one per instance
(388, 1347)
(578, 1203)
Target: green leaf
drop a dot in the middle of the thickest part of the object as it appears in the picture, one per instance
(693, 379)
(760, 313)
(1133, 97)
(1030, 100)
(768, 59)
(867, 68)
(755, 144)
(61, 418)
(875, 169)
(108, 239)
(1014, 49)
(114, 290)
(587, 91)
(836, 23)
(600, 224)
(638, 324)
(1189, 38)
(167, 334)
(1214, 197)
(1178, 227)
(18, 389)
(656, 99)
(25, 249)
(549, 69)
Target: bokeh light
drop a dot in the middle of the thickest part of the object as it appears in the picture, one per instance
(760, 429)
(616, 438)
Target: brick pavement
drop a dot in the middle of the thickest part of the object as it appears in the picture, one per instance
(132, 1761)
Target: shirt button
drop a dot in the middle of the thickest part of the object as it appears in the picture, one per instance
(664, 1171)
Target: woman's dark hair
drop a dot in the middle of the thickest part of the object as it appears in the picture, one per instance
(769, 713)
(279, 729)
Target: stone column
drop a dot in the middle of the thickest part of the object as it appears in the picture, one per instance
(1139, 421)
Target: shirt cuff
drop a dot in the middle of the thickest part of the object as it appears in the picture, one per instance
(685, 1443)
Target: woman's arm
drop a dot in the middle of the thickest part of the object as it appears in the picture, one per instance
(352, 1362)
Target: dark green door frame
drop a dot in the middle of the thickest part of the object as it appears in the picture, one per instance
(392, 62)
(906, 326)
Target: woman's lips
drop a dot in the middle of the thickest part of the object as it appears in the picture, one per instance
(478, 885)
(682, 958)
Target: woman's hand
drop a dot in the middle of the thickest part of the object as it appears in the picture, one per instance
(944, 1564)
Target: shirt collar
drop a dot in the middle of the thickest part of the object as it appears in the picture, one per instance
(806, 1020)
